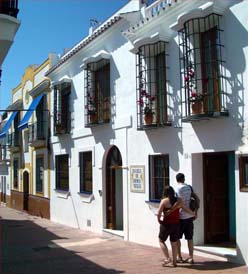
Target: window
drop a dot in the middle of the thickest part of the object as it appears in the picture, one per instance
(158, 175)
(26, 140)
(202, 70)
(15, 136)
(151, 85)
(62, 172)
(39, 174)
(97, 92)
(243, 173)
(62, 118)
(85, 159)
(15, 173)
(40, 127)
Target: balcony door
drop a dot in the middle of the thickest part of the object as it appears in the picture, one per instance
(210, 74)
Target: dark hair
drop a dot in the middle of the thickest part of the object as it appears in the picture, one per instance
(180, 177)
(170, 193)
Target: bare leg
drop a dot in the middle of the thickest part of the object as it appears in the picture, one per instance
(179, 254)
(174, 248)
(164, 249)
(191, 248)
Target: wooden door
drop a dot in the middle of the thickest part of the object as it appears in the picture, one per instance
(25, 190)
(110, 198)
(216, 210)
(112, 163)
(4, 189)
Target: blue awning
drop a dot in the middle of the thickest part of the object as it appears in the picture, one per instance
(8, 124)
(24, 122)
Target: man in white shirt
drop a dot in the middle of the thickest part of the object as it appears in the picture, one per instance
(186, 220)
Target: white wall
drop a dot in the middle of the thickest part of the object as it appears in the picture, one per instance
(184, 142)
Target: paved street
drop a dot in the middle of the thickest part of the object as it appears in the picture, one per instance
(31, 245)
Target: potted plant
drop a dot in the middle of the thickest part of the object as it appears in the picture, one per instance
(146, 103)
(196, 100)
(195, 97)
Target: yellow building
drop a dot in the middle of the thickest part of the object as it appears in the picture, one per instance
(27, 138)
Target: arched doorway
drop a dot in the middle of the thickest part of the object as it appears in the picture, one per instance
(25, 190)
(114, 190)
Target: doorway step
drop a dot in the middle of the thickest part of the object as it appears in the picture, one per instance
(117, 233)
(226, 254)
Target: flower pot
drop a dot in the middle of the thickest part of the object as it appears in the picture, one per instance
(197, 107)
(148, 118)
(93, 118)
(59, 129)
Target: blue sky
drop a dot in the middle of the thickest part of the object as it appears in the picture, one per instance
(49, 26)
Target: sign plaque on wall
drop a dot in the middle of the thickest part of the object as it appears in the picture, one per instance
(137, 178)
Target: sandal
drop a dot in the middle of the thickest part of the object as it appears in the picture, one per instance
(189, 261)
(170, 264)
(166, 262)
(180, 260)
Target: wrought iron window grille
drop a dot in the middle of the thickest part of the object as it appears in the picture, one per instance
(62, 119)
(97, 93)
(202, 69)
(151, 83)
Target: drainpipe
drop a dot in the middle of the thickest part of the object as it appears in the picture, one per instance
(127, 184)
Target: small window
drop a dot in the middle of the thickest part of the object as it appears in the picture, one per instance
(85, 159)
(158, 175)
(243, 173)
(62, 172)
(39, 174)
(15, 173)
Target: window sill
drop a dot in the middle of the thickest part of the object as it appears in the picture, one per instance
(86, 197)
(205, 116)
(152, 202)
(64, 194)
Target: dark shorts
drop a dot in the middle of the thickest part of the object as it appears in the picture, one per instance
(187, 228)
(167, 230)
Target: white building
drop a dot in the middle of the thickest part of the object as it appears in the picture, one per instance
(9, 25)
(174, 59)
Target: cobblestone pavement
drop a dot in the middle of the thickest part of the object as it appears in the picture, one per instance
(31, 245)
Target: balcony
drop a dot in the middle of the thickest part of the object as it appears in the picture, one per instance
(9, 25)
(38, 134)
(4, 159)
(9, 7)
(13, 141)
(154, 6)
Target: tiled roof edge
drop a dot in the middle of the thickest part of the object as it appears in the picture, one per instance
(85, 42)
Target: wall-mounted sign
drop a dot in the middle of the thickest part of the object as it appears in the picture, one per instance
(137, 178)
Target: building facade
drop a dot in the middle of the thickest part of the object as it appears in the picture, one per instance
(151, 92)
(9, 25)
(27, 138)
(158, 88)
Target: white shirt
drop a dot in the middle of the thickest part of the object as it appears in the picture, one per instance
(184, 192)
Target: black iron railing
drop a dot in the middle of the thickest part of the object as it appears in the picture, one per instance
(14, 139)
(9, 7)
(37, 131)
(97, 93)
(62, 115)
(202, 68)
(151, 71)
